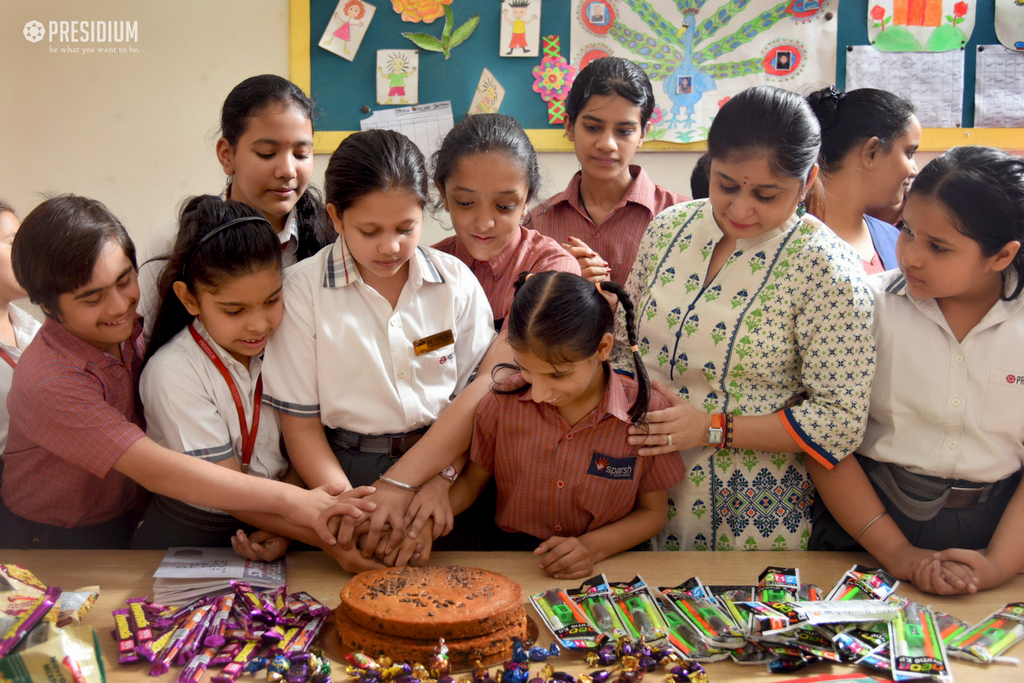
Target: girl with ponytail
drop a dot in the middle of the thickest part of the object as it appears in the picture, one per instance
(553, 435)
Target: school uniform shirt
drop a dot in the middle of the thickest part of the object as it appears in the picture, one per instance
(784, 327)
(344, 355)
(557, 479)
(616, 238)
(160, 243)
(74, 412)
(938, 406)
(527, 251)
(883, 237)
(189, 407)
(25, 328)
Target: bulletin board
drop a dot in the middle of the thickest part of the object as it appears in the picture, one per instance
(341, 88)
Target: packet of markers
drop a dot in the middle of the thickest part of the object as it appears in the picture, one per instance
(245, 631)
(780, 623)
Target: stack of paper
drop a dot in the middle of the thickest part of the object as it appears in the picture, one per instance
(189, 573)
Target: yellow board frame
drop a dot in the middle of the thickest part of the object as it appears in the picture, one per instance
(554, 140)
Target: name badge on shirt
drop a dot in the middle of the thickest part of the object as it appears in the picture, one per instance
(611, 468)
(433, 342)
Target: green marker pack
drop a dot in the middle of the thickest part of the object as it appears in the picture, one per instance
(994, 635)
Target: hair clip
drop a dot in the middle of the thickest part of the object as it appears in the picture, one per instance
(835, 94)
(598, 283)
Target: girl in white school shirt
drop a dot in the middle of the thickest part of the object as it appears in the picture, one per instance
(266, 150)
(17, 328)
(201, 384)
(379, 334)
(940, 465)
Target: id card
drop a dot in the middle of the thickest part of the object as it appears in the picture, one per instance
(433, 342)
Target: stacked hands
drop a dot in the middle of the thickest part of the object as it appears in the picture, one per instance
(954, 571)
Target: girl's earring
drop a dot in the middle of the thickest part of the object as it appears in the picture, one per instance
(801, 209)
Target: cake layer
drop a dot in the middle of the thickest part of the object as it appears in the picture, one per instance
(427, 603)
(463, 654)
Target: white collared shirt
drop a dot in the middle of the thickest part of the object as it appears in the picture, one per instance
(941, 407)
(343, 354)
(25, 328)
(189, 407)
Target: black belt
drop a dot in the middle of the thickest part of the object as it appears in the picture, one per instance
(920, 497)
(391, 445)
(194, 518)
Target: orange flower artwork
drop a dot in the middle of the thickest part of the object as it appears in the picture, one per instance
(420, 10)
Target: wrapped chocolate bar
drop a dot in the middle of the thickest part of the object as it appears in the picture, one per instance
(32, 615)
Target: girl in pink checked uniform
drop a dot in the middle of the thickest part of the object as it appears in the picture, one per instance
(570, 487)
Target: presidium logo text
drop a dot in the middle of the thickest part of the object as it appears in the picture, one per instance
(99, 33)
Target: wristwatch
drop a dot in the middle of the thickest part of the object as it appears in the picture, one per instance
(716, 432)
(450, 473)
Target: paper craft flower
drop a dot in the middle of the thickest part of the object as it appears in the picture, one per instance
(420, 10)
(553, 77)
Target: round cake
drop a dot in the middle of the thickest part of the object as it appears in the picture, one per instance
(402, 611)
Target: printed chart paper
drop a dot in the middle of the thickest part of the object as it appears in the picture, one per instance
(999, 88)
(426, 125)
(933, 81)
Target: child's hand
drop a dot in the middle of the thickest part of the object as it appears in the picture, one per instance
(944, 578)
(432, 505)
(592, 266)
(315, 508)
(391, 503)
(565, 557)
(988, 573)
(261, 545)
(907, 561)
(352, 560)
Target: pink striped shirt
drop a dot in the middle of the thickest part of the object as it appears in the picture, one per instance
(557, 479)
(617, 237)
(74, 412)
(527, 251)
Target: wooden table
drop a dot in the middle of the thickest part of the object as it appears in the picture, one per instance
(124, 574)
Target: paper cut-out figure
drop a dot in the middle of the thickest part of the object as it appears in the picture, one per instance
(354, 9)
(519, 8)
(488, 96)
(348, 25)
(399, 67)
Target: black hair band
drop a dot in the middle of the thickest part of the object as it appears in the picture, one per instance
(219, 229)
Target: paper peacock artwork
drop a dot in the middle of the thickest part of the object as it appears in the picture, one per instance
(698, 53)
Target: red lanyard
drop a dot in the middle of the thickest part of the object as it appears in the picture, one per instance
(248, 435)
(7, 357)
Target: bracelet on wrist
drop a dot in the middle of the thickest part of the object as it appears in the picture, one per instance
(728, 431)
(398, 484)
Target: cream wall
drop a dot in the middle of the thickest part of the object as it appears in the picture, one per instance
(137, 130)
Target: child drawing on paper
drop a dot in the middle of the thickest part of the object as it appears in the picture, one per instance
(519, 8)
(488, 103)
(354, 9)
(398, 70)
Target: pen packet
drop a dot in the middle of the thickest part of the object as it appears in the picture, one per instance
(638, 610)
(992, 636)
(864, 583)
(777, 584)
(916, 647)
(594, 597)
(687, 640)
(715, 625)
(726, 596)
(566, 620)
(950, 628)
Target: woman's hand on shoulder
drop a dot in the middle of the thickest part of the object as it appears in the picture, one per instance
(676, 428)
(592, 266)
(565, 557)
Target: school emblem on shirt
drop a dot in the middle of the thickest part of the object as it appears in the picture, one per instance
(1015, 379)
(611, 468)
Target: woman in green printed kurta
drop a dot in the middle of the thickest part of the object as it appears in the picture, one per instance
(747, 310)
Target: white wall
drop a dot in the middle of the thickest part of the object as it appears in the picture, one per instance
(136, 130)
